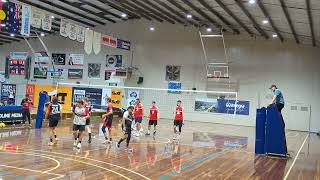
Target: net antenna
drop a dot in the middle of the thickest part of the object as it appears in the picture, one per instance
(217, 71)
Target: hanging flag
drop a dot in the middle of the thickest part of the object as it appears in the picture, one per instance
(80, 34)
(88, 41)
(73, 31)
(96, 42)
(109, 41)
(25, 24)
(36, 18)
(64, 28)
(11, 15)
(46, 22)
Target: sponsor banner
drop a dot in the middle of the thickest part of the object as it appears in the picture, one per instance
(75, 74)
(174, 87)
(122, 44)
(113, 61)
(42, 59)
(8, 94)
(64, 95)
(57, 74)
(76, 59)
(94, 95)
(59, 58)
(109, 41)
(11, 116)
(26, 20)
(108, 74)
(106, 92)
(39, 73)
(116, 96)
(132, 96)
(30, 89)
(228, 106)
(205, 105)
(94, 70)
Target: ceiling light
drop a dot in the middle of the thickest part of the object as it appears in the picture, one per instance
(152, 28)
(265, 21)
(4, 1)
(189, 16)
(52, 17)
(3, 25)
(252, 1)
(12, 35)
(123, 15)
(209, 29)
(42, 34)
(274, 35)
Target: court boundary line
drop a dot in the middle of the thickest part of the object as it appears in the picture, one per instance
(32, 170)
(80, 157)
(295, 159)
(26, 153)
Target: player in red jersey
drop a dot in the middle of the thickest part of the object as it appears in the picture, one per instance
(153, 118)
(138, 114)
(178, 120)
(108, 122)
(54, 115)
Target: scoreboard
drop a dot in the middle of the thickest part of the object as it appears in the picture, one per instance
(17, 66)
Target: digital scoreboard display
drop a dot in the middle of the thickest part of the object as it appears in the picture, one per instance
(17, 66)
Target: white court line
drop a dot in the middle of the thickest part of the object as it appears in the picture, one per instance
(294, 161)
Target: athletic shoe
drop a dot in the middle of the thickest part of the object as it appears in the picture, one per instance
(129, 150)
(174, 137)
(154, 133)
(148, 134)
(118, 145)
(89, 141)
(79, 146)
(50, 144)
(75, 143)
(137, 134)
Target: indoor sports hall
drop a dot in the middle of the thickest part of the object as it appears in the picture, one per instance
(159, 89)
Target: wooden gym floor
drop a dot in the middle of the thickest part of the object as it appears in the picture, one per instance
(206, 151)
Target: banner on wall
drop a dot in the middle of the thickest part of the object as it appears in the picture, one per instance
(109, 41)
(116, 96)
(57, 74)
(59, 58)
(80, 34)
(228, 106)
(26, 20)
(108, 73)
(8, 94)
(224, 106)
(64, 95)
(42, 59)
(174, 87)
(46, 22)
(75, 74)
(73, 30)
(94, 70)
(122, 44)
(106, 92)
(30, 90)
(94, 95)
(113, 61)
(132, 97)
(76, 59)
(39, 73)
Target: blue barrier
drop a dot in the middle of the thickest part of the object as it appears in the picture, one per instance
(260, 130)
(40, 111)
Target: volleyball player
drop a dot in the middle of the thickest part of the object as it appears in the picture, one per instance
(138, 114)
(178, 120)
(108, 122)
(153, 118)
(81, 114)
(54, 115)
(88, 124)
(127, 121)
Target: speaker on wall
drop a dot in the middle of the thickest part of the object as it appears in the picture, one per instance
(6, 69)
(140, 80)
(27, 67)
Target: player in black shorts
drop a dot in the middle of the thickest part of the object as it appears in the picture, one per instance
(88, 123)
(127, 120)
(54, 114)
